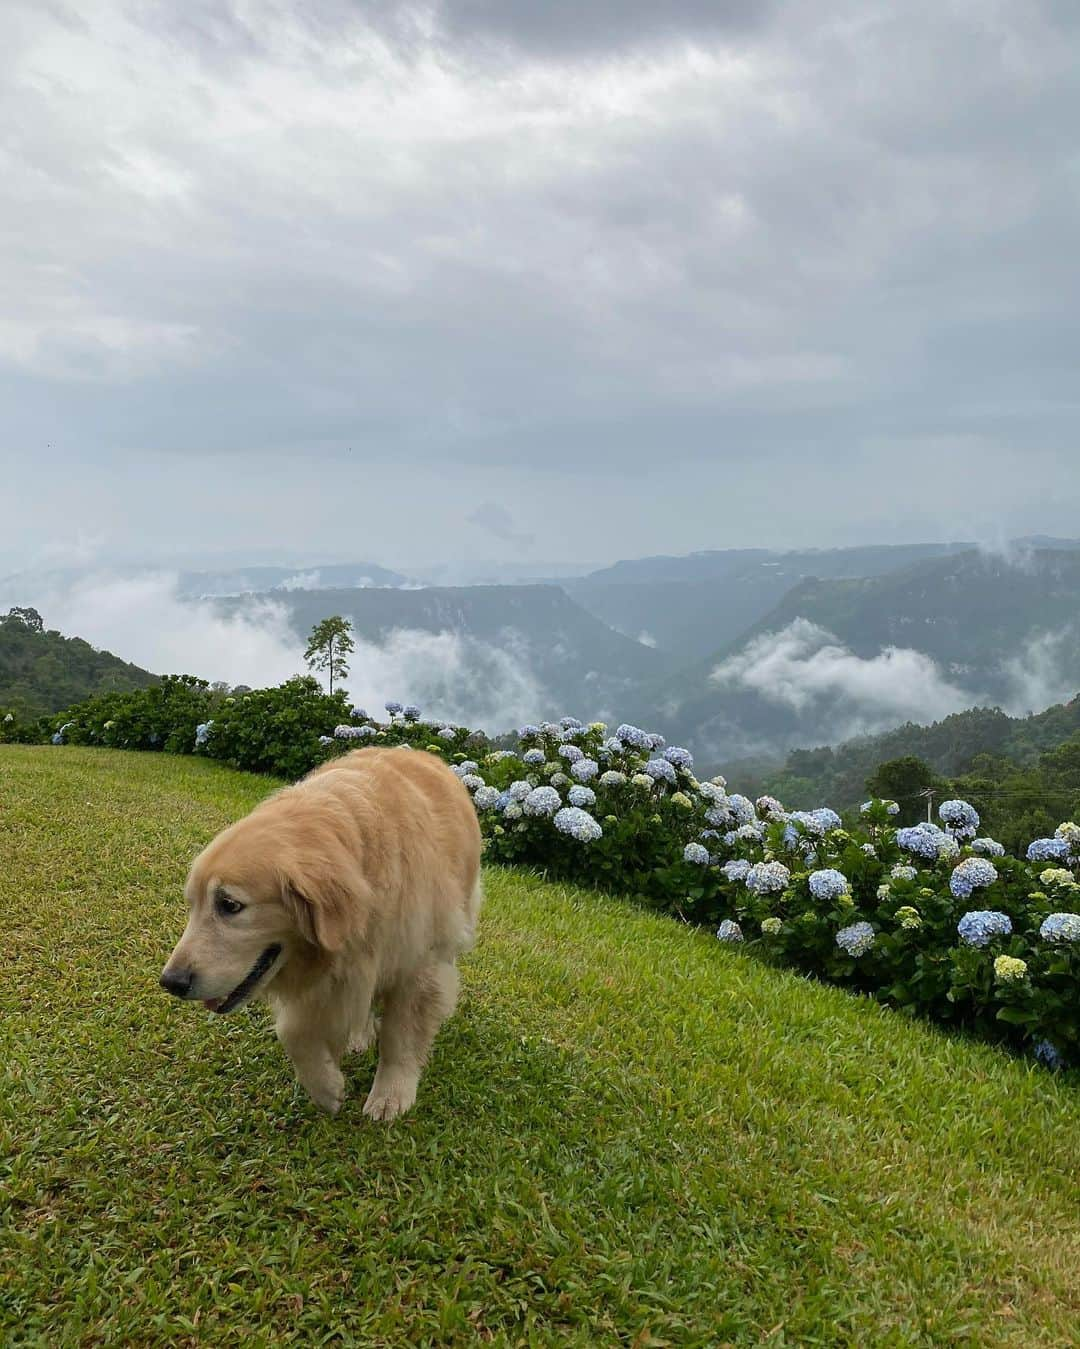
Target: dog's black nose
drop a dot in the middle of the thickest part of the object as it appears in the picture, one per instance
(177, 982)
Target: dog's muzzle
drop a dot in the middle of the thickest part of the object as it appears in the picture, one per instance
(247, 986)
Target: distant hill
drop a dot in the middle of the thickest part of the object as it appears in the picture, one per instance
(246, 580)
(999, 630)
(838, 774)
(524, 652)
(42, 671)
(974, 613)
(692, 606)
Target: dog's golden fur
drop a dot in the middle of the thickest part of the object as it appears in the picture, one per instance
(358, 885)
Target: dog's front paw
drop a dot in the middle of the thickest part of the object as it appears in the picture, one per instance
(328, 1095)
(387, 1101)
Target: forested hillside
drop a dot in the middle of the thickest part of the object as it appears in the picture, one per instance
(42, 671)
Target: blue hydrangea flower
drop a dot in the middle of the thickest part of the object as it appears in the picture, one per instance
(656, 741)
(678, 757)
(528, 732)
(486, 798)
(712, 792)
(202, 732)
(533, 757)
(584, 770)
(571, 753)
(694, 852)
(447, 733)
(926, 840)
(978, 926)
(856, 939)
(344, 732)
(816, 823)
(718, 815)
(612, 778)
(660, 771)
(519, 790)
(987, 847)
(579, 824)
(633, 736)
(473, 781)
(972, 874)
(900, 872)
(869, 849)
(323, 740)
(1048, 850)
(793, 840)
(410, 712)
(770, 808)
(729, 931)
(742, 808)
(737, 869)
(1064, 927)
(828, 884)
(767, 878)
(1049, 1056)
(542, 801)
(581, 796)
(393, 708)
(960, 818)
(571, 724)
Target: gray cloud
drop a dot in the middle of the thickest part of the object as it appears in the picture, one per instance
(497, 520)
(527, 249)
(805, 668)
(562, 27)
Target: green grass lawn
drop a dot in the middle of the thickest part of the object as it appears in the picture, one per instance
(628, 1133)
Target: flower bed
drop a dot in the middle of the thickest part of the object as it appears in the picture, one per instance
(933, 920)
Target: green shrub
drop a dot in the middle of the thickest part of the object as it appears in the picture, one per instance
(275, 730)
(881, 910)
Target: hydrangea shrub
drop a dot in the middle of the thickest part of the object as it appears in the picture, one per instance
(931, 919)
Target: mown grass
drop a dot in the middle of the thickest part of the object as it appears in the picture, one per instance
(628, 1134)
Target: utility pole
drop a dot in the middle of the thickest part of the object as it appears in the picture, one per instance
(928, 793)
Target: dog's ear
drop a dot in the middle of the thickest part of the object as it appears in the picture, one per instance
(321, 909)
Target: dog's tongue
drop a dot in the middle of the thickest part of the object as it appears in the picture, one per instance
(212, 1004)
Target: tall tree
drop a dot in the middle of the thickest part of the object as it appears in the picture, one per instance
(329, 646)
(906, 781)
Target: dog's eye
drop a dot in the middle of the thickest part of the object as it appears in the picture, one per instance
(226, 906)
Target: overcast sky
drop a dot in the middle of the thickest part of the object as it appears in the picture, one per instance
(496, 278)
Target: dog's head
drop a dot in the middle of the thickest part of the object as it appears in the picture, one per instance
(255, 904)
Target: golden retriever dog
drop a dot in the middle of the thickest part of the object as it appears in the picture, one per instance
(358, 886)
